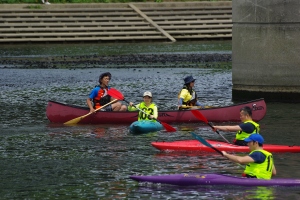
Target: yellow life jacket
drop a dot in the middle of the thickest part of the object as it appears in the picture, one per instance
(189, 96)
(151, 110)
(262, 170)
(241, 135)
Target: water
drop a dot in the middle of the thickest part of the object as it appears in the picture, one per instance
(40, 160)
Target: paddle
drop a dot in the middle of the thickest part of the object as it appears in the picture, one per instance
(199, 115)
(203, 141)
(76, 120)
(118, 95)
(197, 107)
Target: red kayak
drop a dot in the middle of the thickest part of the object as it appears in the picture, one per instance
(61, 113)
(195, 145)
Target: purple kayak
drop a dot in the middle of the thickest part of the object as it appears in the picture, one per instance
(214, 179)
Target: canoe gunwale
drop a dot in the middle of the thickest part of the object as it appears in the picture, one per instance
(57, 112)
(211, 108)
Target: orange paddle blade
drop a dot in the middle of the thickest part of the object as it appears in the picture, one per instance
(168, 127)
(199, 115)
(115, 94)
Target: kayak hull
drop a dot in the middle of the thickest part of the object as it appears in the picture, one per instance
(214, 179)
(144, 126)
(61, 113)
(195, 145)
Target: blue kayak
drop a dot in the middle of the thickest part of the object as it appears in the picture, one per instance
(214, 179)
(145, 126)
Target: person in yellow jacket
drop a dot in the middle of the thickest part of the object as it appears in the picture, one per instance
(147, 106)
(187, 96)
(259, 162)
(242, 130)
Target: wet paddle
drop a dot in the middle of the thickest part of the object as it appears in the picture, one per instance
(118, 95)
(203, 141)
(77, 119)
(199, 115)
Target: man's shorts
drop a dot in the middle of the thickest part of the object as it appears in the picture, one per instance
(107, 108)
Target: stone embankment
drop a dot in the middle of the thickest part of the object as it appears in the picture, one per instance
(121, 61)
(170, 21)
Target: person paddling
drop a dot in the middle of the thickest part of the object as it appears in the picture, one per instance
(259, 162)
(147, 106)
(99, 97)
(242, 130)
(187, 96)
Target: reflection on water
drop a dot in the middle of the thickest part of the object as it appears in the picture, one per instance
(49, 161)
(159, 191)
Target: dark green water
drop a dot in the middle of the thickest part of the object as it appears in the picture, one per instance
(40, 160)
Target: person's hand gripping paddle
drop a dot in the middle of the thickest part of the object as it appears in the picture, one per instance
(199, 115)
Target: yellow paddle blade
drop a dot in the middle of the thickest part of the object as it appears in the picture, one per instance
(73, 121)
(76, 120)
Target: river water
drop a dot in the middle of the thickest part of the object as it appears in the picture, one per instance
(40, 160)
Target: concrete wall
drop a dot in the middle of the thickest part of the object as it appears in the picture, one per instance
(266, 49)
(101, 22)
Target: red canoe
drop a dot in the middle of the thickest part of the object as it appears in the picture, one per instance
(61, 113)
(195, 145)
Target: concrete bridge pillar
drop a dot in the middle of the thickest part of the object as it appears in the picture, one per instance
(266, 50)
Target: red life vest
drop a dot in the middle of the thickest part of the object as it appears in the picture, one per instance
(102, 98)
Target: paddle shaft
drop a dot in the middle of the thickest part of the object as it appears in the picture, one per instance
(218, 133)
(201, 117)
(198, 107)
(113, 101)
(192, 106)
(76, 120)
(203, 141)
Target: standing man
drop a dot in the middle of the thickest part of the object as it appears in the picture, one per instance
(259, 162)
(99, 97)
(242, 130)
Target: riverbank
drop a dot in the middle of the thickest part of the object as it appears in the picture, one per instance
(122, 61)
(205, 54)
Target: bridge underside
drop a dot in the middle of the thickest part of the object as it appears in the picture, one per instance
(265, 50)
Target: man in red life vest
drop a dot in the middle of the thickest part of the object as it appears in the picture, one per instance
(99, 97)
